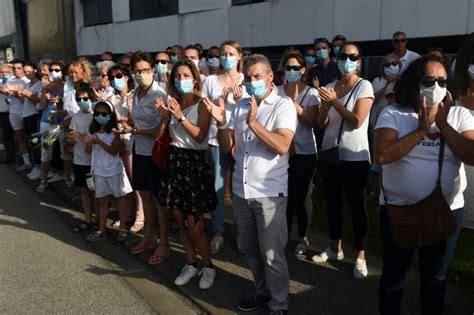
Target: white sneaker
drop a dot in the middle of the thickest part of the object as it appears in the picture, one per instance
(360, 269)
(42, 186)
(55, 178)
(208, 275)
(24, 167)
(34, 174)
(327, 255)
(216, 243)
(187, 273)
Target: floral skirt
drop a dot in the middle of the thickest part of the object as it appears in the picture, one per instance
(187, 183)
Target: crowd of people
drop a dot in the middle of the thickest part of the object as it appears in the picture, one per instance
(166, 139)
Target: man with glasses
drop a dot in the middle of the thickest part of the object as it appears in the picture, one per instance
(162, 68)
(325, 71)
(399, 42)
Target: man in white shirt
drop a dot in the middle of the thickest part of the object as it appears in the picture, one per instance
(260, 129)
(399, 42)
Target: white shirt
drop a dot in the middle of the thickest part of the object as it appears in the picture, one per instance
(304, 140)
(378, 84)
(121, 104)
(146, 116)
(407, 59)
(260, 172)
(354, 143)
(105, 164)
(16, 105)
(4, 107)
(212, 89)
(69, 98)
(180, 137)
(29, 108)
(413, 177)
(81, 121)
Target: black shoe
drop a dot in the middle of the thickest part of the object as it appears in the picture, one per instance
(253, 302)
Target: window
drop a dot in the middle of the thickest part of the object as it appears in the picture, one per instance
(241, 2)
(97, 12)
(145, 9)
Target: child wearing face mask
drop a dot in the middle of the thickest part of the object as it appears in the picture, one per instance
(79, 126)
(107, 167)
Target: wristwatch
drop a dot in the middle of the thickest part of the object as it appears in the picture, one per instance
(181, 119)
(134, 131)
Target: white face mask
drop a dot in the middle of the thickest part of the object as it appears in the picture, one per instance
(433, 94)
(470, 71)
(391, 70)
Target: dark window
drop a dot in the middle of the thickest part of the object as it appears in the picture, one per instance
(97, 12)
(145, 9)
(240, 2)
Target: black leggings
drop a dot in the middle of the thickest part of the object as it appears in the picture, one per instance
(8, 137)
(300, 173)
(30, 124)
(350, 178)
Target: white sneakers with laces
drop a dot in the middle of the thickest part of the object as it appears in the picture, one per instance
(216, 244)
(207, 274)
(187, 273)
(328, 255)
(360, 269)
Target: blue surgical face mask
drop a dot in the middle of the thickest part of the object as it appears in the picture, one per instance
(161, 68)
(229, 63)
(256, 88)
(310, 59)
(118, 84)
(85, 106)
(336, 50)
(184, 86)
(213, 62)
(292, 76)
(102, 120)
(347, 66)
(174, 59)
(5, 78)
(322, 54)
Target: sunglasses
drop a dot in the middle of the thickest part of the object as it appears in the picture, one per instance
(103, 114)
(429, 82)
(126, 65)
(163, 62)
(390, 64)
(399, 40)
(83, 99)
(55, 70)
(294, 68)
(352, 57)
(212, 56)
(118, 76)
(308, 55)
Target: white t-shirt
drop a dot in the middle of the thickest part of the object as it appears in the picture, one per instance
(354, 143)
(413, 177)
(81, 121)
(4, 107)
(407, 59)
(212, 89)
(260, 172)
(29, 108)
(378, 84)
(146, 116)
(69, 98)
(304, 140)
(16, 105)
(180, 137)
(105, 164)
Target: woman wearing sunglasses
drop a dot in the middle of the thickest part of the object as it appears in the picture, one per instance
(408, 144)
(303, 150)
(344, 113)
(162, 69)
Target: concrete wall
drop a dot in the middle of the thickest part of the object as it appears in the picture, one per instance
(7, 18)
(274, 23)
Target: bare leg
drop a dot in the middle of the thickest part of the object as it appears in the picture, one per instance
(103, 213)
(188, 244)
(86, 199)
(200, 240)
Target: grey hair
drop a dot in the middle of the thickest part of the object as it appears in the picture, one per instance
(384, 61)
(105, 65)
(257, 58)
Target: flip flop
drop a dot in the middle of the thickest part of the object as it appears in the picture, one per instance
(140, 248)
(159, 258)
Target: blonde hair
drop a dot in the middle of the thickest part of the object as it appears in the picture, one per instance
(237, 46)
(86, 67)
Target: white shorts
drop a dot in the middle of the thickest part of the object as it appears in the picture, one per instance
(117, 185)
(46, 156)
(16, 120)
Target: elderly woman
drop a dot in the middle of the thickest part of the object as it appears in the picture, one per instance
(410, 138)
(102, 88)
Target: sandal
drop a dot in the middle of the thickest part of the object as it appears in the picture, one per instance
(84, 226)
(143, 246)
(95, 236)
(137, 227)
(157, 258)
(122, 235)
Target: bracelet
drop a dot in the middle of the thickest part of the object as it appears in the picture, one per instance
(223, 127)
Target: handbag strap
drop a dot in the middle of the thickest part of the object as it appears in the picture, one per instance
(345, 106)
(307, 90)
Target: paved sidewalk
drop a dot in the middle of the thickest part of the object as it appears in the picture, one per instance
(323, 289)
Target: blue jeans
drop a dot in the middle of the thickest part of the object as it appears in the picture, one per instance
(219, 163)
(433, 265)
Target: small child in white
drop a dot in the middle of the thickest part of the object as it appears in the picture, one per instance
(109, 173)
